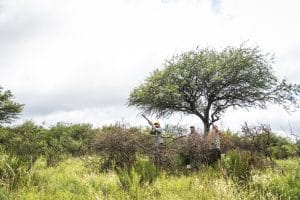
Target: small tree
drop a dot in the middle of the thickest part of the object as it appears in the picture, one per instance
(9, 109)
(205, 82)
(259, 139)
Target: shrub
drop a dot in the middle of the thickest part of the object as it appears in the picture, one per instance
(260, 140)
(12, 171)
(147, 171)
(228, 141)
(127, 178)
(63, 139)
(237, 165)
(75, 139)
(178, 153)
(118, 147)
(26, 141)
(143, 173)
(198, 150)
(284, 151)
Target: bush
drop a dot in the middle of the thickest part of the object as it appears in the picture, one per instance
(228, 141)
(195, 151)
(127, 178)
(180, 152)
(147, 171)
(284, 151)
(143, 173)
(63, 139)
(260, 140)
(75, 139)
(118, 147)
(199, 151)
(12, 171)
(237, 165)
(26, 141)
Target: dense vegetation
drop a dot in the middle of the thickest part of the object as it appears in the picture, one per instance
(76, 161)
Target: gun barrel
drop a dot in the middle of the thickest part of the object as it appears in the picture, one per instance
(147, 119)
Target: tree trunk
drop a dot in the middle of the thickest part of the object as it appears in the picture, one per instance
(206, 127)
(206, 118)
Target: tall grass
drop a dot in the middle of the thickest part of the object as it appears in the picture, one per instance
(73, 179)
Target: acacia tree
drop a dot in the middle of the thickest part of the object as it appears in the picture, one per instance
(9, 109)
(206, 82)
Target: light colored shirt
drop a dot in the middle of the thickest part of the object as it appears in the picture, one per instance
(158, 135)
(215, 142)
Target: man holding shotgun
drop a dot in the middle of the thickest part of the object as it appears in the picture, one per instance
(159, 141)
(156, 130)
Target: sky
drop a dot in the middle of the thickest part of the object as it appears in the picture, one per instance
(77, 61)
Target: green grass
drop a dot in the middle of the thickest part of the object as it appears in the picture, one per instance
(73, 179)
(283, 182)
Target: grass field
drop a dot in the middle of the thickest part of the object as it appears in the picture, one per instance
(79, 178)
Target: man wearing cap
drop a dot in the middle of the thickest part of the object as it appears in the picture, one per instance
(159, 141)
(157, 131)
(193, 142)
(214, 138)
(193, 131)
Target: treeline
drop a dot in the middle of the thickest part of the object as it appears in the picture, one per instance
(120, 147)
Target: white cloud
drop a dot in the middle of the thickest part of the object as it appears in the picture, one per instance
(74, 60)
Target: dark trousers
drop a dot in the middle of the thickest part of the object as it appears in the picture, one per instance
(214, 155)
(158, 154)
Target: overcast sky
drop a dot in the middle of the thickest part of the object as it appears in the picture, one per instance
(77, 61)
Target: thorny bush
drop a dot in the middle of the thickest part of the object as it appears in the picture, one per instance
(118, 147)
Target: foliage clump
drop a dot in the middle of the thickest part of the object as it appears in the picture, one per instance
(117, 145)
(238, 165)
(9, 109)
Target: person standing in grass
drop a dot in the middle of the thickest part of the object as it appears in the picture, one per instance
(193, 131)
(157, 131)
(215, 144)
(159, 141)
(194, 142)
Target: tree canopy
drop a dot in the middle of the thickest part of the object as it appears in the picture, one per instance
(206, 82)
(9, 109)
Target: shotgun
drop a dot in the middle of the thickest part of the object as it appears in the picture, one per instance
(150, 123)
